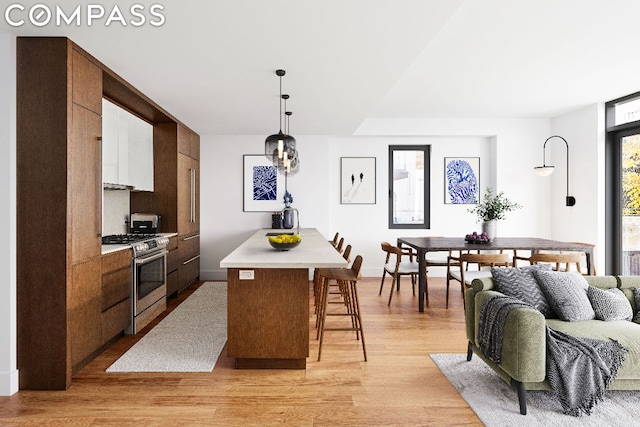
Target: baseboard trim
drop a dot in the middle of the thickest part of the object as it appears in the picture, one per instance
(9, 383)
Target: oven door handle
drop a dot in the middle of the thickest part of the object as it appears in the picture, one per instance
(143, 260)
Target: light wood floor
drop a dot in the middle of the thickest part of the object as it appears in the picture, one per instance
(399, 385)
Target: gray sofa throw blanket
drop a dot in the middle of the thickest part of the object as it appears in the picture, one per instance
(579, 370)
(493, 316)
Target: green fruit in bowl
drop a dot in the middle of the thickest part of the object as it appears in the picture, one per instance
(285, 238)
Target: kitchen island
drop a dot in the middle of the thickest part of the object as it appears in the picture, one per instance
(268, 299)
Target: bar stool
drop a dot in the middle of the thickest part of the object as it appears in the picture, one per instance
(347, 279)
(317, 291)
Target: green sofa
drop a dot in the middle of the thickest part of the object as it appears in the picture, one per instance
(523, 357)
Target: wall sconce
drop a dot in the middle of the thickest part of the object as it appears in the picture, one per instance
(546, 170)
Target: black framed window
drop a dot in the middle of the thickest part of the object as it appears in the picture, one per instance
(409, 184)
(622, 181)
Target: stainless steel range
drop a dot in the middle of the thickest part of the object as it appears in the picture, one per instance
(148, 278)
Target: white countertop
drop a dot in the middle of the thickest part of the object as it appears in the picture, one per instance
(313, 252)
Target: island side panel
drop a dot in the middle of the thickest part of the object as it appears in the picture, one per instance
(268, 318)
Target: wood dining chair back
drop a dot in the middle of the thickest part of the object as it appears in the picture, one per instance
(340, 244)
(396, 267)
(458, 268)
(559, 261)
(347, 279)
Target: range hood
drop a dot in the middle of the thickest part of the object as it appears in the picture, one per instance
(109, 186)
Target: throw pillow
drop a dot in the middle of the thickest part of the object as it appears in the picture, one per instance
(567, 294)
(636, 298)
(519, 282)
(610, 304)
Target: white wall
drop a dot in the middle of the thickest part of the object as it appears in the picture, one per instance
(584, 131)
(8, 344)
(223, 224)
(509, 149)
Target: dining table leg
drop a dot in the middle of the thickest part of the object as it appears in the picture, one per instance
(589, 257)
(421, 279)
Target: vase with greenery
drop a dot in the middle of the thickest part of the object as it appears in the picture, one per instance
(493, 207)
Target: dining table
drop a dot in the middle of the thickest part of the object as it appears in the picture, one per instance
(422, 245)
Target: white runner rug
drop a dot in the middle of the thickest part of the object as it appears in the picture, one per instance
(189, 339)
(496, 404)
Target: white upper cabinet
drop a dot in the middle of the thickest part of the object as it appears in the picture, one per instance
(127, 148)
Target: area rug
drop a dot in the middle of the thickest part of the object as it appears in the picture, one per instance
(496, 404)
(189, 339)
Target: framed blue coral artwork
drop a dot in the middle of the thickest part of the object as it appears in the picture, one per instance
(263, 187)
(462, 180)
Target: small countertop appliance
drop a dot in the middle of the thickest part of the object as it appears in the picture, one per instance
(145, 223)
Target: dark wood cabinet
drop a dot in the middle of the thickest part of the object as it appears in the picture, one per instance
(72, 301)
(58, 209)
(85, 183)
(116, 308)
(176, 197)
(188, 195)
(85, 307)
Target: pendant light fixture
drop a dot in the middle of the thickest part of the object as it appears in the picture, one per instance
(279, 147)
(293, 163)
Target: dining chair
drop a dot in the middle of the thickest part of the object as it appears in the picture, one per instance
(457, 268)
(558, 261)
(583, 257)
(435, 259)
(398, 267)
(334, 242)
(347, 278)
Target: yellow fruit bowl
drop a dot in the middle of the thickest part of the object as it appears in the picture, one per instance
(284, 242)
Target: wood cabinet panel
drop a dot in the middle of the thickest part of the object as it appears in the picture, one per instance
(188, 271)
(85, 184)
(173, 243)
(116, 287)
(86, 83)
(116, 260)
(268, 317)
(188, 247)
(184, 141)
(41, 244)
(188, 195)
(85, 308)
(115, 320)
(194, 141)
(173, 260)
(172, 283)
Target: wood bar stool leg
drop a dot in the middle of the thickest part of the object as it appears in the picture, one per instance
(356, 300)
(323, 317)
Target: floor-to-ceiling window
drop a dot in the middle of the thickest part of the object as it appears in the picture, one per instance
(623, 186)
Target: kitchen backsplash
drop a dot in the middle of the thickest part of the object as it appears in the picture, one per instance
(115, 211)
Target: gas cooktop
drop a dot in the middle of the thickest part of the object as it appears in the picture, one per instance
(125, 239)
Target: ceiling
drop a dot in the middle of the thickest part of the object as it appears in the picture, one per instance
(212, 63)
